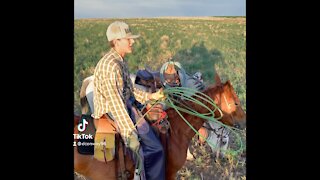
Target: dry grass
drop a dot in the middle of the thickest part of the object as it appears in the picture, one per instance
(206, 167)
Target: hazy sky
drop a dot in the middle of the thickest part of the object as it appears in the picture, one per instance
(157, 8)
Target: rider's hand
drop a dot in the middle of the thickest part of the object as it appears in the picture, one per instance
(157, 95)
(133, 142)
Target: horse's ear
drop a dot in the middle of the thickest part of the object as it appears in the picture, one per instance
(228, 83)
(217, 78)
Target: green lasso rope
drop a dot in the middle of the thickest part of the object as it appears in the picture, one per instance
(191, 95)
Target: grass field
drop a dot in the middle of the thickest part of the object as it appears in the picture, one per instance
(205, 44)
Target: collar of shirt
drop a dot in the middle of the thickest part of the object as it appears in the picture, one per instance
(113, 51)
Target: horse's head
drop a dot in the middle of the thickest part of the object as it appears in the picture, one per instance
(181, 134)
(229, 103)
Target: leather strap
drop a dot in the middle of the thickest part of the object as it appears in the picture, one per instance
(122, 175)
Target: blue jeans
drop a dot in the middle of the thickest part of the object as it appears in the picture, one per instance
(154, 157)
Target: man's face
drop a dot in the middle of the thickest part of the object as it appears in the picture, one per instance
(125, 45)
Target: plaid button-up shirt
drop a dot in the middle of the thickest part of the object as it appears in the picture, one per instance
(112, 87)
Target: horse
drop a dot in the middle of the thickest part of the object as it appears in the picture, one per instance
(149, 81)
(180, 134)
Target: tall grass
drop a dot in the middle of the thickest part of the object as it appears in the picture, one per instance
(199, 44)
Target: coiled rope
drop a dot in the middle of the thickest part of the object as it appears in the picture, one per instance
(194, 96)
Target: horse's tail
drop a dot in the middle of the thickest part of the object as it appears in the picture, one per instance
(83, 98)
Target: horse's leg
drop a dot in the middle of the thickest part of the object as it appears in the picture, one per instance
(176, 157)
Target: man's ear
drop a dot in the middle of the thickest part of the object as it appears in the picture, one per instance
(115, 42)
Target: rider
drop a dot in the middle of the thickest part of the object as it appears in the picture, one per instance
(114, 97)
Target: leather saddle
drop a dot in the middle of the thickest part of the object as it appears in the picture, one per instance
(151, 79)
(148, 78)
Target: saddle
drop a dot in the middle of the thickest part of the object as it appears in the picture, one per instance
(152, 79)
(105, 139)
(171, 74)
(148, 78)
(100, 141)
(106, 143)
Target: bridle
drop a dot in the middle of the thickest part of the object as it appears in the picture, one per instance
(218, 97)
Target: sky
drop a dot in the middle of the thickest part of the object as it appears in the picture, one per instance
(157, 8)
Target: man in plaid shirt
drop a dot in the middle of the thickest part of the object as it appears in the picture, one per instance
(112, 90)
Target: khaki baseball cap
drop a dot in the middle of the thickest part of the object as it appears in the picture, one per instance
(118, 30)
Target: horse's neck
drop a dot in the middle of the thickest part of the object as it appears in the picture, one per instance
(179, 140)
(181, 134)
(214, 92)
(181, 129)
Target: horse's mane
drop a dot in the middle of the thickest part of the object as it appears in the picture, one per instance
(209, 91)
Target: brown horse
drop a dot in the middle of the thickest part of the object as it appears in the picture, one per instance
(180, 134)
